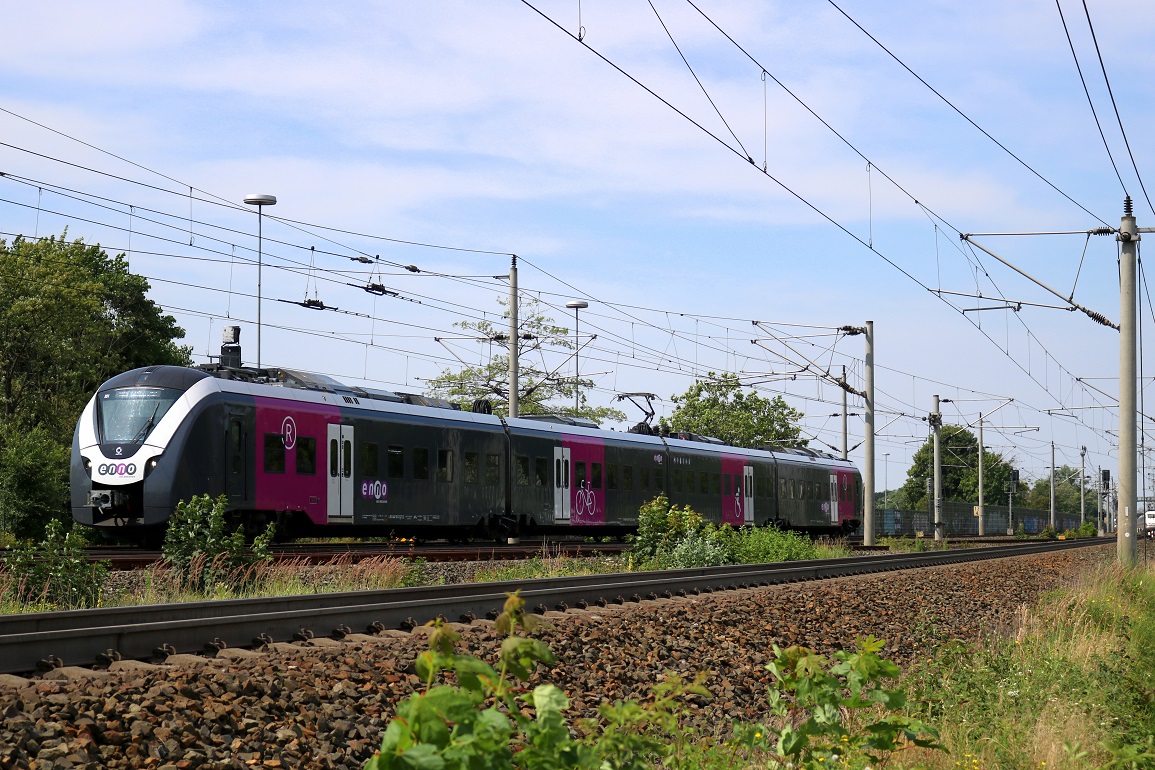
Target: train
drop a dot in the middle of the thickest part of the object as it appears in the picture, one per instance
(323, 458)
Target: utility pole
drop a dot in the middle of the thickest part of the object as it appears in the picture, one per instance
(845, 437)
(1082, 485)
(1052, 485)
(1125, 546)
(936, 423)
(1011, 502)
(982, 511)
(513, 339)
(868, 450)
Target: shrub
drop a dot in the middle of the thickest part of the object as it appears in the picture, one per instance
(54, 573)
(662, 526)
(199, 546)
(1087, 529)
(761, 545)
(1048, 533)
(33, 480)
(704, 548)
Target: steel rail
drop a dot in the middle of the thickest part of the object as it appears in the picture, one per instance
(79, 637)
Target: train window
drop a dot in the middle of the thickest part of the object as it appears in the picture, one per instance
(274, 453)
(445, 465)
(522, 463)
(347, 456)
(703, 483)
(421, 463)
(472, 469)
(644, 482)
(395, 461)
(492, 469)
(677, 480)
(541, 475)
(596, 475)
(628, 477)
(566, 475)
(306, 455)
(611, 476)
(659, 479)
(557, 477)
(717, 479)
(579, 475)
(726, 482)
(333, 457)
(368, 460)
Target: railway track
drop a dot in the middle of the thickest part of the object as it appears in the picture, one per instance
(130, 558)
(86, 637)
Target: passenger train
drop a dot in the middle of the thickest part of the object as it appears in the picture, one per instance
(323, 458)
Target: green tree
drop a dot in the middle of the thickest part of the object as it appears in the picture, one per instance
(1066, 493)
(960, 471)
(719, 406)
(71, 316)
(540, 391)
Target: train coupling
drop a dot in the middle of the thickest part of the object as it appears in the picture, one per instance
(103, 499)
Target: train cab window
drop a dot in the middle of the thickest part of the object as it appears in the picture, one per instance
(306, 455)
(595, 475)
(703, 483)
(645, 479)
(522, 467)
(677, 480)
(579, 475)
(541, 472)
(274, 453)
(421, 463)
(444, 465)
(368, 460)
(492, 469)
(628, 477)
(395, 462)
(659, 479)
(611, 476)
(472, 468)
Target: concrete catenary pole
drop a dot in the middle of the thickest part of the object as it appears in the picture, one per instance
(1125, 510)
(936, 423)
(845, 432)
(982, 511)
(513, 339)
(1082, 485)
(868, 440)
(1052, 485)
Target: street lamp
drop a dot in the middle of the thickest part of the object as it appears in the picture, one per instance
(577, 305)
(260, 201)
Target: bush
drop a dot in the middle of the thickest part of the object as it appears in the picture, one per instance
(33, 480)
(54, 573)
(1048, 533)
(1087, 529)
(199, 546)
(704, 548)
(662, 526)
(762, 545)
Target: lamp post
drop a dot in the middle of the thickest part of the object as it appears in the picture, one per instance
(260, 201)
(577, 305)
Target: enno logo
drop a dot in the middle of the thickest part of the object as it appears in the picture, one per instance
(116, 469)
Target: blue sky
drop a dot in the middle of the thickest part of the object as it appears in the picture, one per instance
(483, 126)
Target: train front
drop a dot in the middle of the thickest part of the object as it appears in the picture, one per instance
(124, 434)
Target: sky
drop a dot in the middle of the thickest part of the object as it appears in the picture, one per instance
(686, 168)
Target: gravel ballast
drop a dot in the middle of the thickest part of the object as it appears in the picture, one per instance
(327, 704)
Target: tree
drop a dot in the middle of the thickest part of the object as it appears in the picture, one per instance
(1066, 492)
(718, 406)
(960, 470)
(540, 391)
(70, 318)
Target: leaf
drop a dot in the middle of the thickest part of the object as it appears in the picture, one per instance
(547, 697)
(423, 757)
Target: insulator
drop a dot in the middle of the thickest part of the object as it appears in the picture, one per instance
(1127, 208)
(1102, 231)
(1099, 318)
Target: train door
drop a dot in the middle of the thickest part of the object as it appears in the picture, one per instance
(748, 494)
(833, 498)
(561, 475)
(340, 490)
(236, 460)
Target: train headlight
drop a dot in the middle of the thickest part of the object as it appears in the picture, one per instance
(87, 466)
(149, 466)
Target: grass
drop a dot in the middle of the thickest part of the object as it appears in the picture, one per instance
(1071, 686)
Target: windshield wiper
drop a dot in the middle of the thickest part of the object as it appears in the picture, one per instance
(148, 426)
